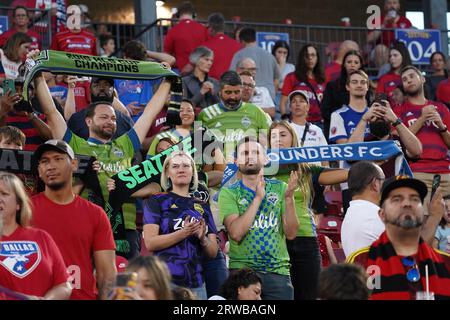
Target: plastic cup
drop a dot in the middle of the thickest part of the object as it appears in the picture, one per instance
(422, 295)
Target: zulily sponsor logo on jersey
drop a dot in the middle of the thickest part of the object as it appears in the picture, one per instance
(112, 167)
(20, 257)
(265, 222)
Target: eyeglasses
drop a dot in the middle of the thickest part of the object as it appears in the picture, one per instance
(249, 85)
(413, 273)
(380, 179)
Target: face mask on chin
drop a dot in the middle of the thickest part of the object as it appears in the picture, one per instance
(231, 105)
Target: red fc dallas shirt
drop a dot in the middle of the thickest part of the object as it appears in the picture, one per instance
(82, 94)
(443, 91)
(30, 262)
(434, 158)
(158, 123)
(183, 38)
(291, 83)
(79, 229)
(332, 71)
(224, 49)
(35, 37)
(387, 84)
(83, 42)
(388, 36)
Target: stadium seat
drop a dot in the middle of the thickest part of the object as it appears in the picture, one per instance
(334, 202)
(330, 225)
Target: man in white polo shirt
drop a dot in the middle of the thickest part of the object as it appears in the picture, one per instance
(362, 225)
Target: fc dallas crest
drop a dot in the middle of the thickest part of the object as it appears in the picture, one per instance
(20, 257)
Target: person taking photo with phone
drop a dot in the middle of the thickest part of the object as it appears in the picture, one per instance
(428, 121)
(16, 112)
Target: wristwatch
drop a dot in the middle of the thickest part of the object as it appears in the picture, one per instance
(33, 115)
(396, 122)
(443, 129)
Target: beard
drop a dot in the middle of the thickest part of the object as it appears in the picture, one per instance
(232, 104)
(414, 93)
(103, 133)
(56, 186)
(244, 169)
(379, 128)
(102, 96)
(408, 222)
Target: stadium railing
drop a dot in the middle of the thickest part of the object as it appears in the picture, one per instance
(40, 22)
(326, 38)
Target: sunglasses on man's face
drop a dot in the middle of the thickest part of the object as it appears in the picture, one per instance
(413, 273)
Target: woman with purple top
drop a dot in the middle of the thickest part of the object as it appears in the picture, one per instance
(178, 228)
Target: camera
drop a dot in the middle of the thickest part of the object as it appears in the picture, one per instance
(380, 98)
(23, 105)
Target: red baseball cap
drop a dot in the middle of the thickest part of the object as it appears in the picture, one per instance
(121, 264)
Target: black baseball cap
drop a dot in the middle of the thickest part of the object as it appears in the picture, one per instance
(403, 181)
(54, 145)
(97, 79)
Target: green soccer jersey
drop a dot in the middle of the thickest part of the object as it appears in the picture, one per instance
(171, 134)
(113, 157)
(231, 126)
(264, 246)
(303, 202)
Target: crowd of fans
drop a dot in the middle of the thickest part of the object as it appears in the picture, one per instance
(191, 235)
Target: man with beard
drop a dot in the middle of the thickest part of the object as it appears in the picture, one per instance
(380, 130)
(80, 228)
(428, 121)
(400, 258)
(102, 89)
(232, 119)
(113, 155)
(259, 215)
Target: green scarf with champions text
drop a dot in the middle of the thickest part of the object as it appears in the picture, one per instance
(59, 62)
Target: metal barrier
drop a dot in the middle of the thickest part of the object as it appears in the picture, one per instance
(40, 22)
(326, 38)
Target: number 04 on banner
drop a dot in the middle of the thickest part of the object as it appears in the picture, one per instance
(421, 44)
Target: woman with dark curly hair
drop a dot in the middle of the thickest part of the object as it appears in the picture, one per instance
(242, 284)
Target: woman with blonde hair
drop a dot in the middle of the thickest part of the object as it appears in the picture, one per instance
(30, 262)
(304, 250)
(153, 278)
(179, 228)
